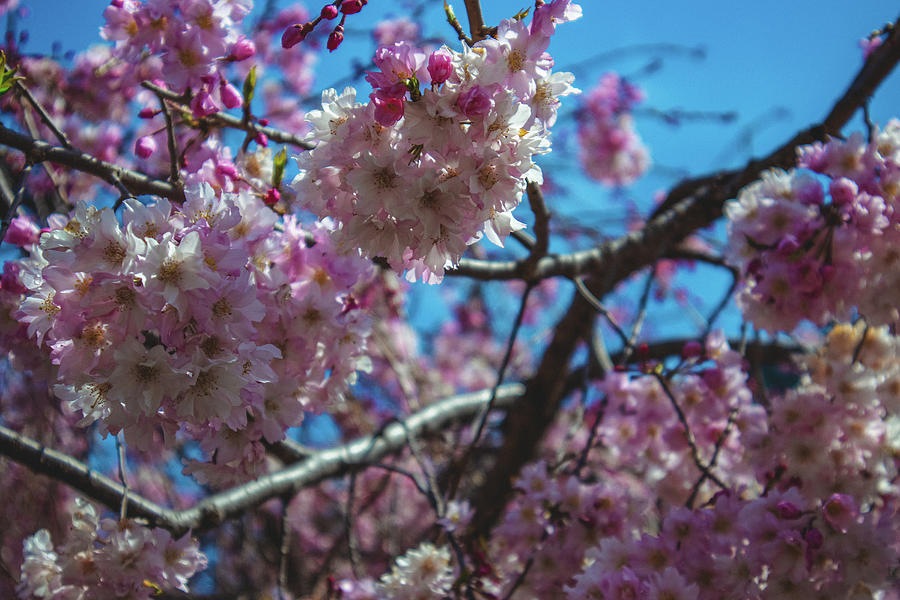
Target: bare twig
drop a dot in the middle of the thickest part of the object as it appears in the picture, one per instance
(44, 116)
(705, 470)
(222, 119)
(123, 478)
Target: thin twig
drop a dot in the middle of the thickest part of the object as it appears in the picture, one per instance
(284, 549)
(42, 113)
(123, 478)
(222, 119)
(14, 205)
(688, 434)
(712, 461)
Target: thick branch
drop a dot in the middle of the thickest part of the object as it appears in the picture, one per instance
(38, 151)
(213, 510)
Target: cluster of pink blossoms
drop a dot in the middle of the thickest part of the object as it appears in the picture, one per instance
(203, 318)
(107, 559)
(196, 39)
(641, 430)
(440, 154)
(840, 422)
(611, 150)
(776, 547)
(805, 254)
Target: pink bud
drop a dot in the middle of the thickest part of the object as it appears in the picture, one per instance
(22, 232)
(843, 191)
(117, 3)
(788, 510)
(231, 97)
(145, 146)
(263, 122)
(388, 109)
(272, 197)
(335, 39)
(814, 538)
(474, 102)
(295, 34)
(261, 139)
(351, 7)
(203, 105)
(227, 169)
(10, 280)
(148, 113)
(440, 66)
(329, 11)
(243, 49)
(840, 511)
(692, 349)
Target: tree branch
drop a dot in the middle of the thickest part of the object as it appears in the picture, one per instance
(38, 151)
(222, 119)
(694, 204)
(213, 510)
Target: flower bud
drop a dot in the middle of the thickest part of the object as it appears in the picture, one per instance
(261, 139)
(388, 109)
(335, 39)
(295, 34)
(351, 7)
(272, 197)
(474, 102)
(440, 67)
(145, 146)
(231, 97)
(692, 349)
(243, 49)
(148, 113)
(788, 510)
(203, 105)
(227, 169)
(22, 232)
(329, 11)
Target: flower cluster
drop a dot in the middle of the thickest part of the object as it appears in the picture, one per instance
(610, 149)
(441, 152)
(202, 318)
(772, 547)
(196, 39)
(642, 431)
(421, 572)
(107, 559)
(840, 422)
(805, 254)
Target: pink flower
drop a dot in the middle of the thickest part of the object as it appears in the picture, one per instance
(388, 109)
(840, 511)
(474, 102)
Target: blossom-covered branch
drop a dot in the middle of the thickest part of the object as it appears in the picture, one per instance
(691, 205)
